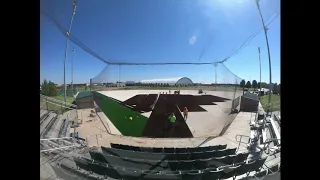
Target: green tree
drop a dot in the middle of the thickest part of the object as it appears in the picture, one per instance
(242, 84)
(49, 88)
(248, 85)
(45, 87)
(275, 88)
(254, 84)
(279, 90)
(53, 91)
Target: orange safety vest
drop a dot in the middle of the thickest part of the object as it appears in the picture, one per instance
(185, 111)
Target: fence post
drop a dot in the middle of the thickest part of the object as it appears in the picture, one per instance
(61, 108)
(47, 102)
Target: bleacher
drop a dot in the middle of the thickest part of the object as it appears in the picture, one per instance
(130, 162)
(53, 125)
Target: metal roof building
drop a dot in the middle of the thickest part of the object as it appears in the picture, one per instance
(171, 81)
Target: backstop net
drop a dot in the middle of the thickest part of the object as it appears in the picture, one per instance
(209, 91)
(208, 31)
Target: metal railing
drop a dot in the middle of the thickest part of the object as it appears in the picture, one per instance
(74, 145)
(59, 107)
(240, 141)
(266, 145)
(57, 101)
(96, 138)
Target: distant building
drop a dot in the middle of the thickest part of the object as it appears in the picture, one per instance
(121, 84)
(130, 83)
(170, 81)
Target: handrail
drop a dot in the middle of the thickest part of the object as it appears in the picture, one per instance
(59, 105)
(48, 139)
(277, 118)
(97, 140)
(266, 144)
(65, 147)
(57, 101)
(54, 99)
(58, 148)
(241, 141)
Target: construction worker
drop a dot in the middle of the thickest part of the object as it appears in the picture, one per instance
(172, 120)
(185, 113)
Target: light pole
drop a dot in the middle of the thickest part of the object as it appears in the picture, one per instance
(260, 73)
(66, 50)
(215, 75)
(259, 87)
(266, 35)
(72, 71)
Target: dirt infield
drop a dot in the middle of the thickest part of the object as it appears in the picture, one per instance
(141, 103)
(157, 125)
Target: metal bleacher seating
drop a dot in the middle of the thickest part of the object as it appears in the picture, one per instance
(168, 156)
(163, 163)
(186, 171)
(167, 163)
(168, 150)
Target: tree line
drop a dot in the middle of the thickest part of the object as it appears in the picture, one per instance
(256, 85)
(49, 88)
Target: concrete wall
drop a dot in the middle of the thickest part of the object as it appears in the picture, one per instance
(120, 115)
(248, 105)
(236, 103)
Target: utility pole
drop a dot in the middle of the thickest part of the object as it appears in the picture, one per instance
(260, 73)
(270, 79)
(72, 70)
(66, 50)
(259, 87)
(119, 75)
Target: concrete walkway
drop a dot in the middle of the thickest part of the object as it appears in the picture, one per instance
(98, 135)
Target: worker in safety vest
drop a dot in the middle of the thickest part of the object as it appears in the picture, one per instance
(185, 113)
(172, 120)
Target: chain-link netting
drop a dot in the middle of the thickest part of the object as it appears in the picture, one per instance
(210, 90)
(226, 27)
(215, 76)
(210, 32)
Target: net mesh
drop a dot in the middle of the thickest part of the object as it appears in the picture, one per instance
(215, 76)
(220, 21)
(220, 94)
(197, 60)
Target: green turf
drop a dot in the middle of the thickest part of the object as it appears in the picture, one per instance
(120, 115)
(274, 100)
(82, 88)
(61, 98)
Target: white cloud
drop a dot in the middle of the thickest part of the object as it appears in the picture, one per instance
(192, 40)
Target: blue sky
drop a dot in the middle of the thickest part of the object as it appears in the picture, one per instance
(160, 31)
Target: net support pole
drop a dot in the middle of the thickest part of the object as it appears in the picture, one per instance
(72, 71)
(91, 93)
(259, 87)
(215, 69)
(270, 76)
(260, 73)
(66, 50)
(90, 85)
